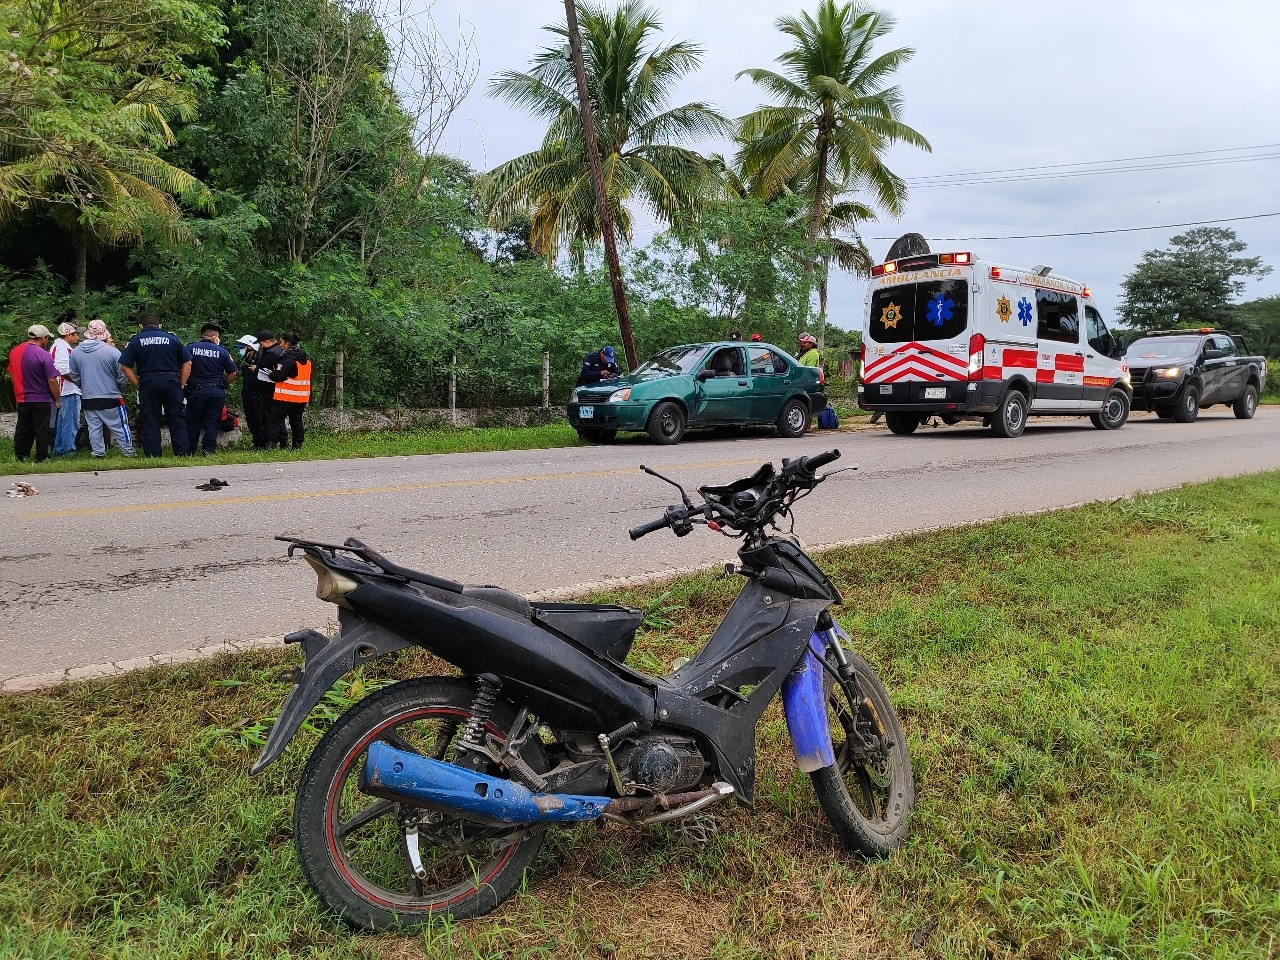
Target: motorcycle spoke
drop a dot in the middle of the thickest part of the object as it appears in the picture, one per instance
(378, 808)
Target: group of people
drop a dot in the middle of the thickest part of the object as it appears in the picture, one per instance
(182, 385)
(600, 365)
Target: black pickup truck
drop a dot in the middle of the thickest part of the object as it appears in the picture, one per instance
(1178, 373)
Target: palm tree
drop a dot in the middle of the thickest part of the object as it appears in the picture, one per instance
(837, 115)
(628, 84)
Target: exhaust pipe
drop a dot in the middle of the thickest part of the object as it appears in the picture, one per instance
(410, 777)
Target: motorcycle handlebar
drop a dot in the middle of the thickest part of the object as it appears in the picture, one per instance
(635, 533)
(808, 466)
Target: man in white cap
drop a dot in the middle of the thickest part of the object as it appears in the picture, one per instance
(36, 387)
(64, 441)
(809, 355)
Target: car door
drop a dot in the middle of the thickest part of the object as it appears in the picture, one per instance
(770, 382)
(1099, 365)
(724, 397)
(1059, 357)
(1233, 371)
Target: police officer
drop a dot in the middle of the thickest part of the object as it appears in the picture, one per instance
(212, 368)
(158, 364)
(256, 389)
(598, 366)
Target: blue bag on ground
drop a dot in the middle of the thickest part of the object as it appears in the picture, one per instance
(828, 420)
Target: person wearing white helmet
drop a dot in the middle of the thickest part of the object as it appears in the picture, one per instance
(809, 355)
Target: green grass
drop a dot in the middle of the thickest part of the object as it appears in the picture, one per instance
(1093, 704)
(323, 445)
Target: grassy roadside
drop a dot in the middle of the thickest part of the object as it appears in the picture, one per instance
(1093, 701)
(323, 445)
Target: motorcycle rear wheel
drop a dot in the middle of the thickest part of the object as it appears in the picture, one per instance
(353, 848)
(868, 802)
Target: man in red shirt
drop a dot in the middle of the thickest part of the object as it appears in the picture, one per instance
(36, 387)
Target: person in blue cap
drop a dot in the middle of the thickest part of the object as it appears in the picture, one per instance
(597, 367)
(158, 364)
(212, 370)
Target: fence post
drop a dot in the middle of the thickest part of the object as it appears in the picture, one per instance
(338, 386)
(453, 390)
(546, 380)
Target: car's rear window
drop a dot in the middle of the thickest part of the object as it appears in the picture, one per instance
(932, 310)
(1162, 348)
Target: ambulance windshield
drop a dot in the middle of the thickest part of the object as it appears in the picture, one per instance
(932, 310)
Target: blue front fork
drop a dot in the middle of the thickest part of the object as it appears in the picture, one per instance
(805, 705)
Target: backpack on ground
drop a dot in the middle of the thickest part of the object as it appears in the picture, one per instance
(827, 419)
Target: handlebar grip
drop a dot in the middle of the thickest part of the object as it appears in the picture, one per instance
(635, 533)
(810, 464)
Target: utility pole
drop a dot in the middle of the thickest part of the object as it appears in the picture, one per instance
(597, 183)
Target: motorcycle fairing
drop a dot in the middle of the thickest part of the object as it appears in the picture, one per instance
(754, 650)
(558, 681)
(804, 704)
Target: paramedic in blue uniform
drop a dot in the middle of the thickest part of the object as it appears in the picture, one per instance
(212, 368)
(158, 364)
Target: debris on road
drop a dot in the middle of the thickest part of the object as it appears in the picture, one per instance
(21, 488)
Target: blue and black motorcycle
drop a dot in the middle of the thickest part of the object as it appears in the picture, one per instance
(430, 797)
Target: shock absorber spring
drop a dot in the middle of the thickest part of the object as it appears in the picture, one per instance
(487, 687)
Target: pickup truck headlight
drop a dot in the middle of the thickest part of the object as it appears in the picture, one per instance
(1169, 373)
(619, 395)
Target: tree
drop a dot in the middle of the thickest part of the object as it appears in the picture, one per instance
(628, 83)
(836, 114)
(85, 105)
(1191, 285)
(1259, 321)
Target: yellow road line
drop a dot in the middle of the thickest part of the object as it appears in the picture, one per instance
(356, 491)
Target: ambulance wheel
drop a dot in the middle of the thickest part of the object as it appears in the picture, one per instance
(1011, 419)
(902, 423)
(1114, 413)
(1188, 406)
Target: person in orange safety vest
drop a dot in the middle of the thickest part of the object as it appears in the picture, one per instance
(292, 377)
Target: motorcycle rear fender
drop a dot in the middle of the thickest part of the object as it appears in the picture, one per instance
(326, 659)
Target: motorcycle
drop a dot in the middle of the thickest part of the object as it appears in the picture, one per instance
(430, 797)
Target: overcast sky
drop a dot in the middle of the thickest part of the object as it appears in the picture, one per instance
(994, 86)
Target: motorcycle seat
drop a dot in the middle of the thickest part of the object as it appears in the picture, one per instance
(498, 597)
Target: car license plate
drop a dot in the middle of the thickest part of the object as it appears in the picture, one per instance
(886, 388)
(935, 393)
(586, 413)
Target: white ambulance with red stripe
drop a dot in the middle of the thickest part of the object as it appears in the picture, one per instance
(950, 335)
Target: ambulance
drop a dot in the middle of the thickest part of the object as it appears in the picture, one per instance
(953, 336)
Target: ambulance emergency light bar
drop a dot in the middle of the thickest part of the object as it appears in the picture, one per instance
(921, 263)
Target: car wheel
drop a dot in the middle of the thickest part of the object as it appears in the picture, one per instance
(666, 423)
(598, 436)
(1011, 419)
(1114, 412)
(1188, 407)
(1247, 404)
(902, 423)
(793, 421)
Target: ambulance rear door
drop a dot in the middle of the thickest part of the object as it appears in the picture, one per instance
(917, 325)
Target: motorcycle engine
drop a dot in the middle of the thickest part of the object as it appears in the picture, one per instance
(663, 764)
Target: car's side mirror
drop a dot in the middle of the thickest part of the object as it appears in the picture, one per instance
(1214, 354)
(705, 374)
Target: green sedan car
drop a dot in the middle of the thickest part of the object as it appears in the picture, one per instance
(702, 385)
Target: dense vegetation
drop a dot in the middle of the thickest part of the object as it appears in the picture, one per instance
(277, 162)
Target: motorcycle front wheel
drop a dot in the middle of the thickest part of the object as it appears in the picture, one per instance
(867, 794)
(358, 851)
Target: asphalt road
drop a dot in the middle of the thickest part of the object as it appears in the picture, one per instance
(133, 564)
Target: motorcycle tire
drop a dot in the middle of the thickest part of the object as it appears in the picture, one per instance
(353, 848)
(868, 803)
